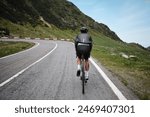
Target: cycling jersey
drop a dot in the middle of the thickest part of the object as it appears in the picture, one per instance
(83, 45)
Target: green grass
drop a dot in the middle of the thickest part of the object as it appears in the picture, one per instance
(40, 31)
(134, 73)
(7, 48)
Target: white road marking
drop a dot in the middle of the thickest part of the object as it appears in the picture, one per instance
(110, 83)
(19, 73)
(37, 44)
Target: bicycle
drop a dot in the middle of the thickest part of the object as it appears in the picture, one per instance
(83, 74)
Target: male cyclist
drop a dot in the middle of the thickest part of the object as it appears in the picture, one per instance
(83, 46)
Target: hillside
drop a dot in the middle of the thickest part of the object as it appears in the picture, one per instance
(62, 19)
(137, 45)
(60, 13)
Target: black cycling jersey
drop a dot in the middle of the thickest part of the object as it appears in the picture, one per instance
(83, 38)
(83, 45)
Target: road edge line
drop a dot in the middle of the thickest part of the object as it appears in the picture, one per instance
(19, 73)
(109, 82)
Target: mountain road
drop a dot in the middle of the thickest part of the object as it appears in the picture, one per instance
(47, 71)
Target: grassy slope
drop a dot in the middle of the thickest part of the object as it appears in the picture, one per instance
(27, 30)
(133, 73)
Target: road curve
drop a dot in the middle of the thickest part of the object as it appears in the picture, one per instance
(51, 78)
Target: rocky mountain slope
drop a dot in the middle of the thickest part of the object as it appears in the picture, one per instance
(61, 13)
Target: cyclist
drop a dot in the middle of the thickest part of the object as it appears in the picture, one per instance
(83, 46)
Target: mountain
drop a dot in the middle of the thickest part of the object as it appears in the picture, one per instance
(60, 13)
(137, 45)
(148, 48)
(62, 19)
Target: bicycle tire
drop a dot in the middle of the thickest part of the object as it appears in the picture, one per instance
(83, 78)
(83, 87)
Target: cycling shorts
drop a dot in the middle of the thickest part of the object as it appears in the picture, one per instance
(83, 50)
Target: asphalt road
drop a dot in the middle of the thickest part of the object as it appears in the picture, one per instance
(48, 71)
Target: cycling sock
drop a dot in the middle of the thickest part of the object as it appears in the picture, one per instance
(79, 67)
(86, 74)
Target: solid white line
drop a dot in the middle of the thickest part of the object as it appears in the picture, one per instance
(110, 83)
(19, 73)
(37, 44)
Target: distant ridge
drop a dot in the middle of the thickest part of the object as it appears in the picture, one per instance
(137, 45)
(148, 48)
(61, 13)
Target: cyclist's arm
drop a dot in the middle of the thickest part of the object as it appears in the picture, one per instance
(91, 42)
(76, 42)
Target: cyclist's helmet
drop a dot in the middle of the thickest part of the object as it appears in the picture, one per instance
(84, 29)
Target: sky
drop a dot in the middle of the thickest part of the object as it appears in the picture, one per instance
(129, 19)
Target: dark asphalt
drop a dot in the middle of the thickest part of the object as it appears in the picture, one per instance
(53, 78)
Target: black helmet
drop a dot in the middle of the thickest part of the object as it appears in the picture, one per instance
(84, 29)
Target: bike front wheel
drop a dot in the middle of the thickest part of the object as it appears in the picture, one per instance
(83, 85)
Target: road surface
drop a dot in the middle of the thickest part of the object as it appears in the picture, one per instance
(48, 72)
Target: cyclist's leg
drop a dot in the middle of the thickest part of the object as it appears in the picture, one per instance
(87, 65)
(78, 60)
(78, 63)
(86, 69)
(86, 57)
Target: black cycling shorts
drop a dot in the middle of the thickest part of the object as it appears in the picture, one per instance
(83, 49)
